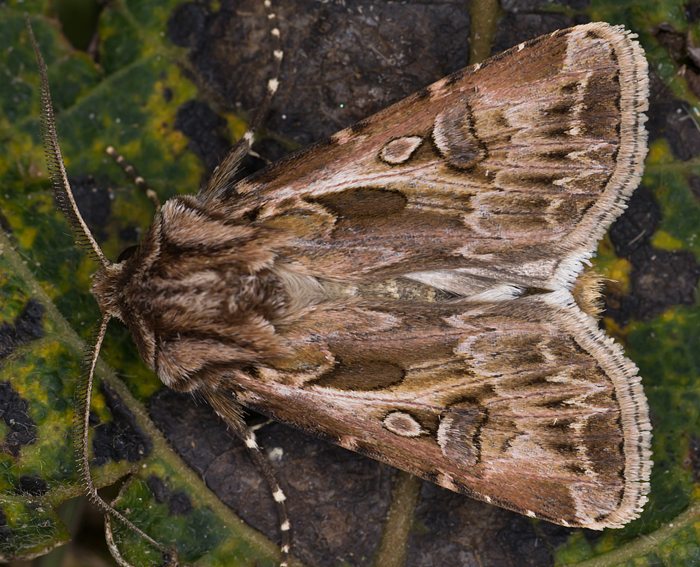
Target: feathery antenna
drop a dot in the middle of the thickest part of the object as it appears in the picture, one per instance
(68, 206)
(54, 161)
(82, 447)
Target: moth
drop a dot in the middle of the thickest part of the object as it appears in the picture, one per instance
(413, 288)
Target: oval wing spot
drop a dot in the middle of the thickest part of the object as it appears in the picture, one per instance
(400, 150)
(403, 424)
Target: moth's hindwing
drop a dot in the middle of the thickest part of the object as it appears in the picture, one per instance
(406, 288)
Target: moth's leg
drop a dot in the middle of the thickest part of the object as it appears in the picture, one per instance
(264, 422)
(258, 156)
(82, 448)
(231, 412)
(132, 174)
(261, 461)
(224, 174)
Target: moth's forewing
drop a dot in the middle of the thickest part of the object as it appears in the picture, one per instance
(511, 170)
(405, 288)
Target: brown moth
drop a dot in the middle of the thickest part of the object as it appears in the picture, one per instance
(413, 289)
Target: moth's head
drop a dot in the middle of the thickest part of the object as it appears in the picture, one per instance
(117, 288)
(108, 281)
(105, 287)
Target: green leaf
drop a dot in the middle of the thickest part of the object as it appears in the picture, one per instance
(168, 109)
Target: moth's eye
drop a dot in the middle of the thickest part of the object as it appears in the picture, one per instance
(127, 253)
